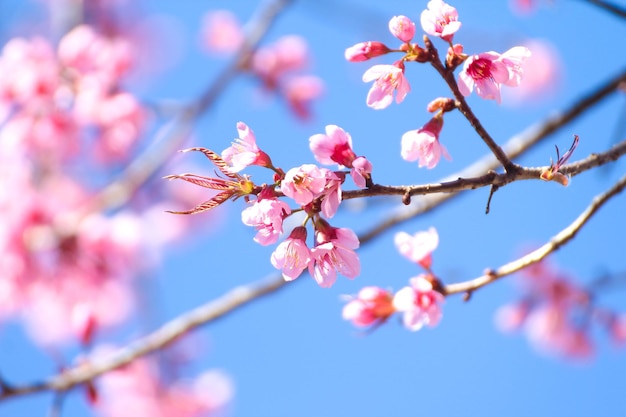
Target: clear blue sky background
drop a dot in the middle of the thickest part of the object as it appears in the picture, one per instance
(290, 354)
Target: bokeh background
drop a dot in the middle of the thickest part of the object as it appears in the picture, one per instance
(290, 353)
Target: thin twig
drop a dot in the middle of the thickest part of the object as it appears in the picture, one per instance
(537, 255)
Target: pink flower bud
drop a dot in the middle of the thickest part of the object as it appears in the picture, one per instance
(366, 50)
(402, 28)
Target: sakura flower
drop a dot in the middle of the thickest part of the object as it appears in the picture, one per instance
(266, 215)
(336, 147)
(366, 50)
(419, 247)
(333, 147)
(334, 252)
(372, 305)
(387, 79)
(423, 144)
(304, 183)
(441, 20)
(489, 70)
(332, 193)
(402, 28)
(292, 256)
(244, 151)
(420, 303)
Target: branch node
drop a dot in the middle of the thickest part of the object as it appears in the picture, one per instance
(406, 197)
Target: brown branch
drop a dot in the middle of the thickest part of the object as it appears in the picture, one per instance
(491, 178)
(514, 147)
(466, 110)
(537, 255)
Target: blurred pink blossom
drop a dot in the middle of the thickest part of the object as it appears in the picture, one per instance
(402, 28)
(221, 31)
(420, 304)
(371, 306)
(419, 247)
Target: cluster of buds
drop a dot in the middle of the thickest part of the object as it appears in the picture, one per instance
(315, 190)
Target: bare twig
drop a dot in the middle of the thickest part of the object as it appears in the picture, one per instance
(537, 255)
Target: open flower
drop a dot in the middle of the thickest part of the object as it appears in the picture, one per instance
(486, 72)
(293, 255)
(244, 151)
(334, 252)
(423, 144)
(387, 80)
(441, 20)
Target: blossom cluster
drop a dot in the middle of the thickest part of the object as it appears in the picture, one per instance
(557, 315)
(317, 191)
(419, 302)
(66, 261)
(279, 66)
(485, 72)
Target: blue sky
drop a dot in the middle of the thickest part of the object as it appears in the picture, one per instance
(290, 354)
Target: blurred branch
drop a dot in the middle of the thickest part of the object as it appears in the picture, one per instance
(537, 255)
(609, 7)
(171, 331)
(171, 136)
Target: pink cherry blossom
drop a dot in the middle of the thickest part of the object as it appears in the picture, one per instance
(387, 80)
(244, 151)
(366, 50)
(420, 303)
(221, 31)
(331, 197)
(489, 70)
(423, 144)
(304, 183)
(266, 215)
(371, 306)
(402, 28)
(441, 20)
(334, 252)
(419, 247)
(333, 147)
(293, 255)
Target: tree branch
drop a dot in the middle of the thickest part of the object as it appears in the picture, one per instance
(537, 255)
